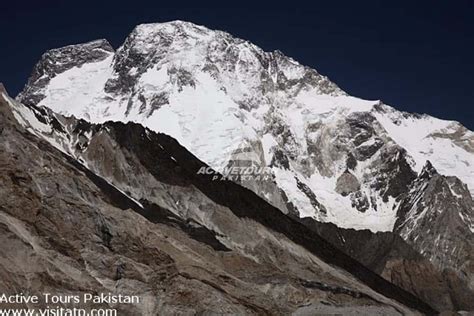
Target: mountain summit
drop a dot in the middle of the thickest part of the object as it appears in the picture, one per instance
(219, 95)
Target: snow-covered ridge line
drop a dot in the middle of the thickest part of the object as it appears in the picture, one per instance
(445, 143)
(65, 143)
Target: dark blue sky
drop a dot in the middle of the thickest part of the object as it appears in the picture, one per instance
(414, 55)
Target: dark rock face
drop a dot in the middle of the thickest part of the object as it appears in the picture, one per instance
(280, 160)
(360, 201)
(395, 175)
(397, 261)
(351, 162)
(364, 152)
(374, 250)
(437, 214)
(127, 58)
(311, 196)
(361, 127)
(163, 232)
(445, 290)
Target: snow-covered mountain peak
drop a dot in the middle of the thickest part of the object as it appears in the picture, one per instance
(244, 71)
(173, 29)
(58, 60)
(428, 171)
(63, 60)
(334, 157)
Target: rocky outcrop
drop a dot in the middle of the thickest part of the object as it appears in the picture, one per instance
(347, 183)
(436, 219)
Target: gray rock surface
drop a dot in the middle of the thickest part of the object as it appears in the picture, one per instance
(347, 183)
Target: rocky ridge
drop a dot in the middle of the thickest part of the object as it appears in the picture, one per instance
(183, 243)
